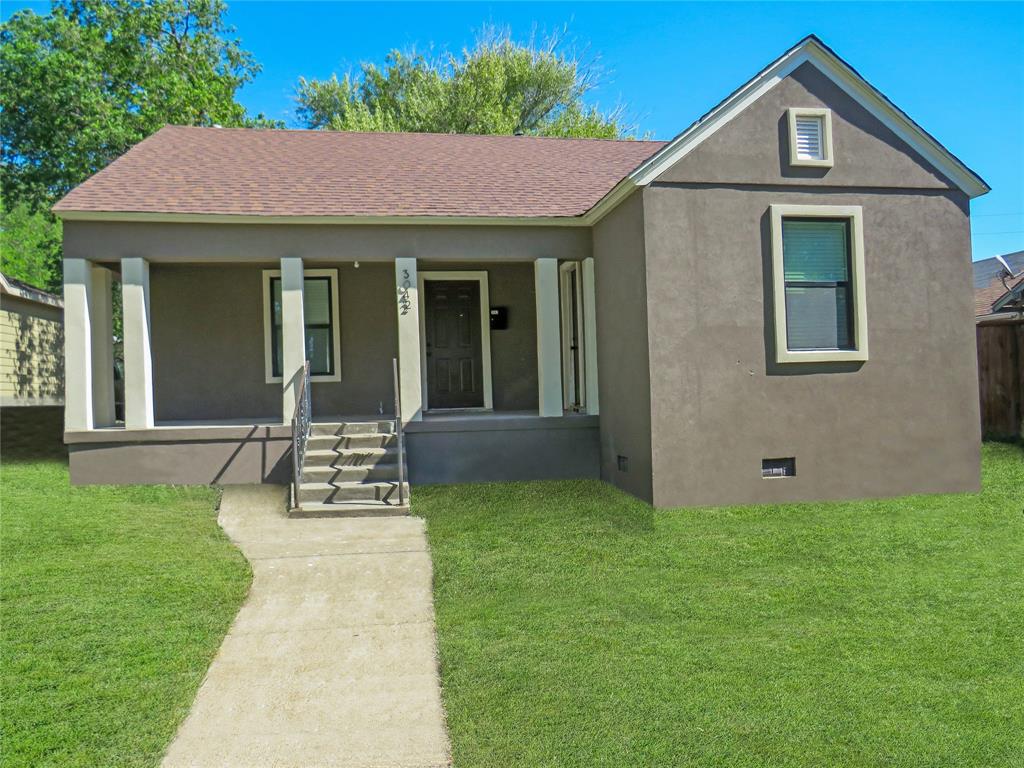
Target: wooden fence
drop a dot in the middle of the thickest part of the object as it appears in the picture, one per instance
(1001, 377)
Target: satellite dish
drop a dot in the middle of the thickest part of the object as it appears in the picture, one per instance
(1009, 272)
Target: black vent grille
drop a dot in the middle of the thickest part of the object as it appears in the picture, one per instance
(778, 467)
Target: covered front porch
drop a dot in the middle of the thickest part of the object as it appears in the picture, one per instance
(496, 360)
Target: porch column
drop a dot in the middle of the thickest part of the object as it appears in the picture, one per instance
(293, 333)
(590, 336)
(549, 338)
(88, 346)
(138, 357)
(408, 303)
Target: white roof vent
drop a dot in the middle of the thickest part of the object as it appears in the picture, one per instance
(810, 137)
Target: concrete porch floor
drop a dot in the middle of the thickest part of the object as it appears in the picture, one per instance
(332, 659)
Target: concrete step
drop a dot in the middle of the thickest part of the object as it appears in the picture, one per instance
(351, 457)
(350, 509)
(345, 442)
(336, 475)
(379, 427)
(327, 493)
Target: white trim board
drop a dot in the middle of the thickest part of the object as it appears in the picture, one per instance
(855, 216)
(246, 218)
(480, 276)
(268, 360)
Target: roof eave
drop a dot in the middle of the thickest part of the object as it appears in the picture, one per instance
(157, 217)
(36, 295)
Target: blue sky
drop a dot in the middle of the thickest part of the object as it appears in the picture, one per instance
(956, 68)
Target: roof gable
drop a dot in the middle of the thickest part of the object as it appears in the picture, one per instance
(812, 51)
(753, 147)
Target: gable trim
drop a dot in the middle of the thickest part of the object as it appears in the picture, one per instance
(809, 50)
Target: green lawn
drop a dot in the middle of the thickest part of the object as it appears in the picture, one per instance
(578, 627)
(114, 602)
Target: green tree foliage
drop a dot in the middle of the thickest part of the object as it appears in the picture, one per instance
(30, 246)
(94, 77)
(499, 86)
(83, 84)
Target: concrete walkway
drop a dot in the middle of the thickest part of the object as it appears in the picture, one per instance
(332, 659)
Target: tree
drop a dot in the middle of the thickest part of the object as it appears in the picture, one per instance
(30, 246)
(498, 87)
(94, 77)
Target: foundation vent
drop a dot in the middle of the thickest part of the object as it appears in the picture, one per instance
(778, 467)
(623, 462)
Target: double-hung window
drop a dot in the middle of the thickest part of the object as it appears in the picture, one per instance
(320, 316)
(818, 280)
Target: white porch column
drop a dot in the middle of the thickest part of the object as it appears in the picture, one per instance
(138, 357)
(590, 336)
(88, 346)
(549, 338)
(409, 372)
(293, 333)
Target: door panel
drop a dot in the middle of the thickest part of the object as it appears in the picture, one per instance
(453, 344)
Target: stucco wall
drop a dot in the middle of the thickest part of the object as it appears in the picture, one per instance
(622, 347)
(31, 353)
(906, 421)
(179, 242)
(753, 148)
(208, 347)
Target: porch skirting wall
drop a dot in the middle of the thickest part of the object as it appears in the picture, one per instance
(440, 449)
(503, 448)
(221, 455)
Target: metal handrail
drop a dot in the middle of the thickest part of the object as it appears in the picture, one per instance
(399, 435)
(301, 425)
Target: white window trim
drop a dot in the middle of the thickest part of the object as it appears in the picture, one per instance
(827, 160)
(485, 332)
(854, 214)
(268, 336)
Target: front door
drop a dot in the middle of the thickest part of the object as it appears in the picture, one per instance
(453, 344)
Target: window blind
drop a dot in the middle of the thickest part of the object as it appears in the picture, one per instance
(816, 262)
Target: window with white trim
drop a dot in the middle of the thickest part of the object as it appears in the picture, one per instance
(320, 316)
(810, 137)
(818, 282)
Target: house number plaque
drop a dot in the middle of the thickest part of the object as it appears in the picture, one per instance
(404, 300)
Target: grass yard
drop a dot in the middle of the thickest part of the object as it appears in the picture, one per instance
(114, 602)
(578, 627)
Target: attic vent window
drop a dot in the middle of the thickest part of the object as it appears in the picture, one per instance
(810, 137)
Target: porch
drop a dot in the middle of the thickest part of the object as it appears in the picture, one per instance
(497, 371)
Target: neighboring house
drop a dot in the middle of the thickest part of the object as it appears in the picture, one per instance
(996, 292)
(999, 314)
(31, 367)
(31, 346)
(689, 320)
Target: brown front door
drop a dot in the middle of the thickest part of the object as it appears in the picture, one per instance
(454, 348)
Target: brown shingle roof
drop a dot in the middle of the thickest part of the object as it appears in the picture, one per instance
(324, 173)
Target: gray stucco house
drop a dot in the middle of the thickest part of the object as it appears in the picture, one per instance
(773, 306)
